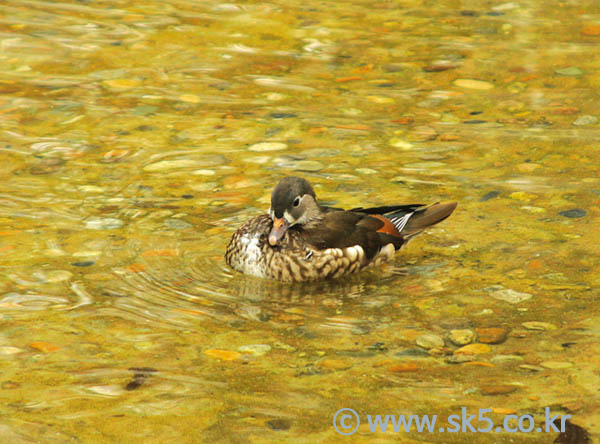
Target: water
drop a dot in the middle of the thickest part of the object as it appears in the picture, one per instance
(137, 136)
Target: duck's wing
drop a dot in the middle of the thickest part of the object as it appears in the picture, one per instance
(374, 228)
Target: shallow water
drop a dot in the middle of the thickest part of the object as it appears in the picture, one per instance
(136, 136)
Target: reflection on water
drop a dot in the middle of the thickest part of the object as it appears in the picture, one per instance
(136, 137)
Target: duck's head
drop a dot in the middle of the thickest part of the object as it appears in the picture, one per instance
(293, 202)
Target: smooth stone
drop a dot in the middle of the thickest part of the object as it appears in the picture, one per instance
(500, 389)
(534, 210)
(255, 349)
(510, 296)
(533, 368)
(366, 171)
(575, 213)
(538, 325)
(103, 223)
(8, 350)
(177, 224)
(381, 100)
(90, 189)
(399, 143)
(203, 172)
(473, 84)
(308, 165)
(459, 359)
(224, 355)
(491, 335)
(506, 6)
(556, 365)
(275, 97)
(267, 146)
(58, 276)
(501, 359)
(412, 353)
(489, 195)
(279, 424)
(570, 71)
(107, 390)
(83, 264)
(585, 120)
(165, 165)
(429, 341)
(473, 349)
(522, 196)
(461, 337)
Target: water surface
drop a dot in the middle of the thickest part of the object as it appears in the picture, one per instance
(137, 136)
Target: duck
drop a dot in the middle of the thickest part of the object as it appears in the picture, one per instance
(299, 240)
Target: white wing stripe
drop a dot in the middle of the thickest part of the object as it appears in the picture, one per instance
(400, 222)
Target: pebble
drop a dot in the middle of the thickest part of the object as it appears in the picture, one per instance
(308, 165)
(204, 172)
(412, 352)
(538, 325)
(522, 196)
(279, 424)
(440, 65)
(83, 264)
(190, 98)
(501, 359)
(275, 97)
(461, 337)
(121, 83)
(556, 365)
(574, 213)
(402, 144)
(585, 120)
(500, 389)
(107, 390)
(528, 167)
(489, 195)
(510, 296)
(535, 210)
(459, 359)
(224, 355)
(165, 165)
(103, 223)
(491, 335)
(90, 189)
(473, 349)
(8, 350)
(429, 341)
(381, 100)
(45, 347)
(267, 146)
(533, 368)
(473, 84)
(366, 171)
(570, 71)
(255, 349)
(506, 6)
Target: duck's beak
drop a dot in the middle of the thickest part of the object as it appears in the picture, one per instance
(280, 226)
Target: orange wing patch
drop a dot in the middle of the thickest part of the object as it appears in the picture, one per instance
(388, 227)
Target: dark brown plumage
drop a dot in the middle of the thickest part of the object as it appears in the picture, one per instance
(300, 240)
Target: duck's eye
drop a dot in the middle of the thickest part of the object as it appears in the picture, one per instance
(296, 202)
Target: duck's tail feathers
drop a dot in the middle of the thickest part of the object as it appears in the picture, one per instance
(411, 224)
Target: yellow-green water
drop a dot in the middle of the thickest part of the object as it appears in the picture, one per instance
(129, 135)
